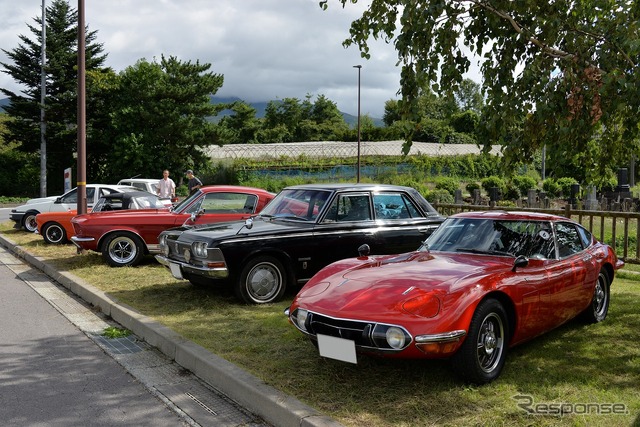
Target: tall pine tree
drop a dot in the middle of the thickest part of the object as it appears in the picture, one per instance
(61, 88)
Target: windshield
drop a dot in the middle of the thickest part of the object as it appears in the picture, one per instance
(300, 204)
(533, 239)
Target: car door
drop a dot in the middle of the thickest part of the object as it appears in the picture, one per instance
(347, 224)
(571, 279)
(69, 201)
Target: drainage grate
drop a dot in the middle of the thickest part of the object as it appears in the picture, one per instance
(125, 345)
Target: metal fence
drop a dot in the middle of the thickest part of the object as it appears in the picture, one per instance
(319, 149)
(621, 230)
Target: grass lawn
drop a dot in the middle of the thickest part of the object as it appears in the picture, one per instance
(572, 366)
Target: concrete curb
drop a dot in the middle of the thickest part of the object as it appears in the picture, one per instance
(273, 406)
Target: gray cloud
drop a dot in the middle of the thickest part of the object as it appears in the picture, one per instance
(266, 49)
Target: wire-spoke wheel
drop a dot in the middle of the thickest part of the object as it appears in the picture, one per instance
(599, 307)
(481, 357)
(123, 249)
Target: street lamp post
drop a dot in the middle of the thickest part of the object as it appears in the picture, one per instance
(359, 67)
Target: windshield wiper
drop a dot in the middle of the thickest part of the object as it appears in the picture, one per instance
(484, 252)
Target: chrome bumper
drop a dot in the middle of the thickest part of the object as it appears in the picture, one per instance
(76, 240)
(179, 267)
(440, 338)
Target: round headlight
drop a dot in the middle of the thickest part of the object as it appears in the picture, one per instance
(301, 318)
(199, 249)
(395, 337)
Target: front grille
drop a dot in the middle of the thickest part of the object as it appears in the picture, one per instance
(357, 331)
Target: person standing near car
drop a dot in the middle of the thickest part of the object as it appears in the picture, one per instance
(194, 183)
(166, 187)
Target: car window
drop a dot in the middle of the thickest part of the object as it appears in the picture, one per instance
(228, 203)
(393, 206)
(533, 239)
(72, 196)
(302, 204)
(349, 207)
(569, 240)
(585, 236)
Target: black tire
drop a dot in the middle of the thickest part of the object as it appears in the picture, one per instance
(123, 249)
(29, 221)
(599, 307)
(263, 280)
(481, 357)
(54, 233)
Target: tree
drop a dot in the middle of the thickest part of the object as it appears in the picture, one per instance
(158, 119)
(61, 92)
(240, 127)
(560, 73)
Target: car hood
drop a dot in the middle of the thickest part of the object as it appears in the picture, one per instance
(383, 285)
(228, 230)
(41, 199)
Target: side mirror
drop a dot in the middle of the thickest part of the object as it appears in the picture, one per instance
(58, 200)
(249, 223)
(364, 250)
(520, 261)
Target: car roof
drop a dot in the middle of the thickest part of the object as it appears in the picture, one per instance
(138, 180)
(234, 188)
(348, 186)
(511, 215)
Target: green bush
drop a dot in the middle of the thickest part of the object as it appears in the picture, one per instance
(565, 184)
(447, 183)
(439, 196)
(551, 187)
(470, 187)
(511, 192)
(494, 181)
(182, 190)
(524, 183)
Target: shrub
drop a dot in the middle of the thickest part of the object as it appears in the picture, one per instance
(448, 184)
(439, 196)
(470, 187)
(494, 181)
(511, 192)
(565, 184)
(524, 184)
(551, 187)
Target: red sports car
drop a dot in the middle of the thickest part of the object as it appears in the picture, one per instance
(124, 237)
(481, 283)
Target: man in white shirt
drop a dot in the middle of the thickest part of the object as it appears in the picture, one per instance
(166, 186)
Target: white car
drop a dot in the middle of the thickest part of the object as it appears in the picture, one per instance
(25, 216)
(144, 184)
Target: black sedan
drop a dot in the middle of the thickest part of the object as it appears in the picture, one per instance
(303, 229)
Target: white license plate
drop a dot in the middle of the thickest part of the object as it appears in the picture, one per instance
(175, 270)
(337, 348)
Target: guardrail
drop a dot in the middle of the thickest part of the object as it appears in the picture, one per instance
(621, 230)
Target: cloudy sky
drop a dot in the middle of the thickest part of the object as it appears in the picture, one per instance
(265, 49)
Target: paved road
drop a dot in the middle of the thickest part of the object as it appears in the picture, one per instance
(56, 369)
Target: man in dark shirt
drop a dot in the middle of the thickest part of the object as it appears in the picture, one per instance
(194, 183)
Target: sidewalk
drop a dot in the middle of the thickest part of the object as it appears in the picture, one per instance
(272, 405)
